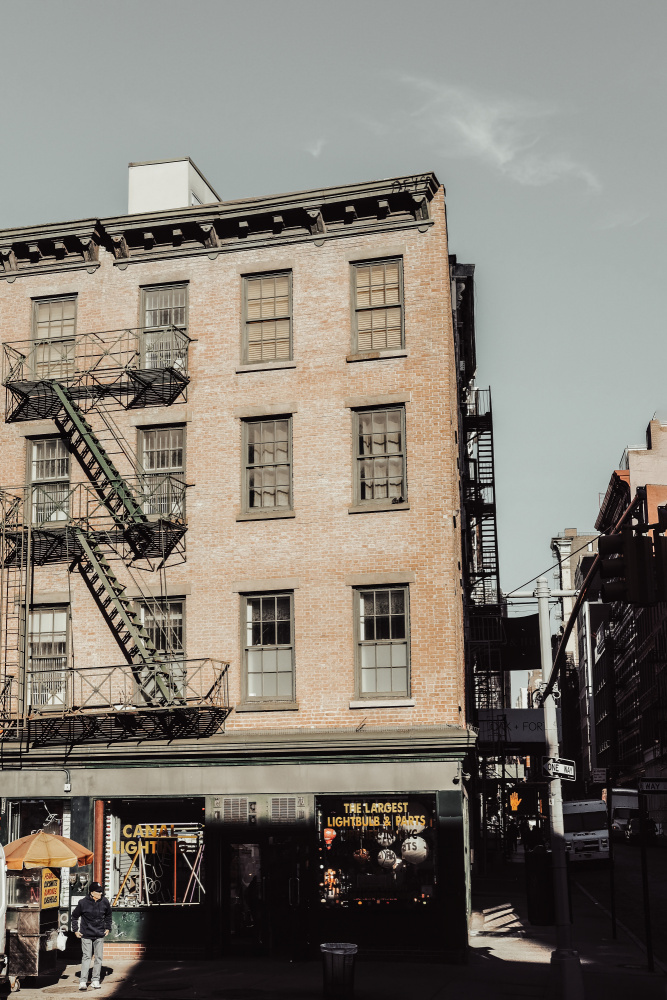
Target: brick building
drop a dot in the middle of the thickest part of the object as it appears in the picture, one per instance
(630, 672)
(231, 563)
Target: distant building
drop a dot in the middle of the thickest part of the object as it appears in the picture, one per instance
(630, 668)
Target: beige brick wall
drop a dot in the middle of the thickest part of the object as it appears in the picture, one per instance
(323, 543)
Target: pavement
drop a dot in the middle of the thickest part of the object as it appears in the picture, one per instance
(509, 958)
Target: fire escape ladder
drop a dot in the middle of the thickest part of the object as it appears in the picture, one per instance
(152, 676)
(109, 485)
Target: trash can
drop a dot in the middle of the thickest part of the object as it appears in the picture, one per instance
(540, 887)
(338, 967)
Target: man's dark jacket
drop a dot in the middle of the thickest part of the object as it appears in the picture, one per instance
(95, 917)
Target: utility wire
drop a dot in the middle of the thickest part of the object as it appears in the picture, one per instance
(542, 572)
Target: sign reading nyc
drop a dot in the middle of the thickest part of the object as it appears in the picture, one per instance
(556, 767)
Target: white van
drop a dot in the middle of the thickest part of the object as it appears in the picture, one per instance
(586, 830)
(624, 807)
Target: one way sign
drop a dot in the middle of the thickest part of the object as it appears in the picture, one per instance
(556, 767)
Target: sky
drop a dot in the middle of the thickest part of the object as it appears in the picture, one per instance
(545, 122)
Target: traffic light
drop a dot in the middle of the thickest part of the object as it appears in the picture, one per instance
(626, 562)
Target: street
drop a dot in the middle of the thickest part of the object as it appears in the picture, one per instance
(628, 888)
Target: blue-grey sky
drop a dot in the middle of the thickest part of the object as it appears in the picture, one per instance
(545, 121)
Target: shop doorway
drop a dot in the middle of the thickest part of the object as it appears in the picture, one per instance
(266, 897)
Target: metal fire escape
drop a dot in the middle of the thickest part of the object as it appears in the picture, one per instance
(483, 607)
(137, 520)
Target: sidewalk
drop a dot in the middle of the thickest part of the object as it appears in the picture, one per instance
(509, 958)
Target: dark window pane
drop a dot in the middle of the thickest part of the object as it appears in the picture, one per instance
(397, 627)
(268, 609)
(282, 608)
(397, 602)
(283, 633)
(268, 634)
(382, 602)
(382, 628)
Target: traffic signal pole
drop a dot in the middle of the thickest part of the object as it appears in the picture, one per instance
(567, 981)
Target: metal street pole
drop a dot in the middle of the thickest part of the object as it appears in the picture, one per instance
(565, 962)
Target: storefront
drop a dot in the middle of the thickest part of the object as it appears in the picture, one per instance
(248, 858)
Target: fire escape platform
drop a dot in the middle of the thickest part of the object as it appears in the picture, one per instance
(131, 368)
(109, 704)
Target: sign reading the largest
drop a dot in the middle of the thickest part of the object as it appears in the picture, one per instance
(379, 847)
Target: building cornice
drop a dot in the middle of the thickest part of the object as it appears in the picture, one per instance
(316, 216)
(61, 246)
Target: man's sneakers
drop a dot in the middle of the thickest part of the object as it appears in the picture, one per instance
(83, 986)
(96, 984)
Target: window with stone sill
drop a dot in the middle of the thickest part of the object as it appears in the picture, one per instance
(380, 455)
(268, 464)
(382, 638)
(267, 328)
(268, 647)
(378, 305)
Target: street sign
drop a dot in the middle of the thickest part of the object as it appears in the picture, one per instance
(556, 767)
(599, 775)
(653, 786)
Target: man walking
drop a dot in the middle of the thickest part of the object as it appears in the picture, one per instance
(94, 912)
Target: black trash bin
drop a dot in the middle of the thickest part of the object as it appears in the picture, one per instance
(540, 887)
(338, 967)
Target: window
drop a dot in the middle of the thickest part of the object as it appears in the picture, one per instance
(47, 636)
(378, 305)
(382, 641)
(165, 319)
(164, 621)
(268, 464)
(380, 455)
(53, 329)
(269, 650)
(49, 474)
(163, 461)
(268, 324)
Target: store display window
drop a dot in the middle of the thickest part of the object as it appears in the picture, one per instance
(376, 850)
(155, 854)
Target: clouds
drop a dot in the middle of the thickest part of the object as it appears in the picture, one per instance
(509, 135)
(315, 148)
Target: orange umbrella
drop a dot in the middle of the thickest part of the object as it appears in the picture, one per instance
(45, 850)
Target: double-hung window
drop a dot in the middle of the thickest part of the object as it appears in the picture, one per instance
(268, 318)
(380, 455)
(165, 319)
(49, 476)
(53, 330)
(268, 464)
(269, 647)
(378, 305)
(164, 621)
(47, 647)
(163, 461)
(382, 641)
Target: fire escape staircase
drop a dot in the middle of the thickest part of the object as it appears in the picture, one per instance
(109, 594)
(111, 488)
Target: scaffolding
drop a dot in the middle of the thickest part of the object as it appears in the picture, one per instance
(136, 520)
